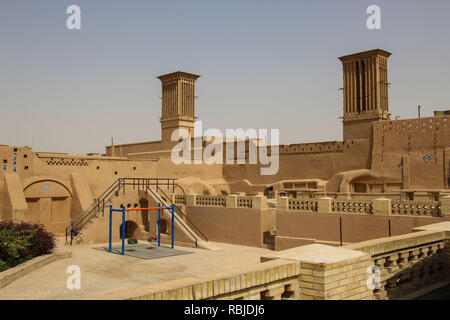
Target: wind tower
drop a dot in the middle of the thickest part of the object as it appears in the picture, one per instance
(178, 103)
(365, 92)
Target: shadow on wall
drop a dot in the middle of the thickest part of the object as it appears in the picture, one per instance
(143, 203)
(130, 229)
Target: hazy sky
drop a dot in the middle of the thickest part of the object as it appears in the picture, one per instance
(263, 64)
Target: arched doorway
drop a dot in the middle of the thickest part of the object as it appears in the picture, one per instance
(164, 226)
(49, 203)
(130, 229)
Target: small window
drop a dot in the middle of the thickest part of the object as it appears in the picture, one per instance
(25, 156)
(134, 168)
(98, 167)
(15, 149)
(5, 161)
(115, 172)
(26, 167)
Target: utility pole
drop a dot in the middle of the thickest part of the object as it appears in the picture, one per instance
(418, 110)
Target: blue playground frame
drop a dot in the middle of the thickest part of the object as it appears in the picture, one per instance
(160, 208)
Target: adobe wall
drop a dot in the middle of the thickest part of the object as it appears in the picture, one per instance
(100, 172)
(395, 155)
(294, 228)
(412, 140)
(140, 147)
(235, 226)
(308, 161)
(45, 175)
(355, 129)
(144, 222)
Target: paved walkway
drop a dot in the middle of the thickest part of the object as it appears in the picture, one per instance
(103, 272)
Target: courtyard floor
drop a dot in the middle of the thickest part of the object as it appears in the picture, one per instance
(103, 272)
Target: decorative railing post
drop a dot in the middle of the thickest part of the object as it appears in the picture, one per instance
(191, 199)
(259, 202)
(445, 206)
(324, 205)
(283, 204)
(231, 201)
(382, 206)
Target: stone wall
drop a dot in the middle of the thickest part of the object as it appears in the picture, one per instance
(242, 226)
(401, 145)
(385, 268)
(331, 221)
(409, 262)
(273, 280)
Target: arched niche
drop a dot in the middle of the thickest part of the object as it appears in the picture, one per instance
(49, 203)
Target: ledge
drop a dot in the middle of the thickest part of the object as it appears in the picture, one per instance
(17, 272)
(210, 285)
(402, 242)
(328, 257)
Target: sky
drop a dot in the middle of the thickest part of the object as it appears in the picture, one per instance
(263, 65)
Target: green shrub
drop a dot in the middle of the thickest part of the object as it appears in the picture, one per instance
(20, 242)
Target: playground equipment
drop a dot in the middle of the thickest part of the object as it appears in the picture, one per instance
(124, 210)
(132, 241)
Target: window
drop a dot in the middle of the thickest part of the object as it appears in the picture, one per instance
(363, 87)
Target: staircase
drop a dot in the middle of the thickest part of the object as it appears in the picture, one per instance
(78, 225)
(181, 220)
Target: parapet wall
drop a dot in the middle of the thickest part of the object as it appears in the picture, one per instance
(336, 222)
(385, 268)
(313, 148)
(273, 280)
(240, 220)
(245, 220)
(409, 262)
(307, 161)
(417, 149)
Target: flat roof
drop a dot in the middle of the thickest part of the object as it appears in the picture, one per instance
(365, 53)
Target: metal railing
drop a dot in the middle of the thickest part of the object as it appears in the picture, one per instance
(80, 223)
(184, 217)
(157, 197)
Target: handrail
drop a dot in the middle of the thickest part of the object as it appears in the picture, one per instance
(180, 212)
(160, 199)
(79, 223)
(96, 204)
